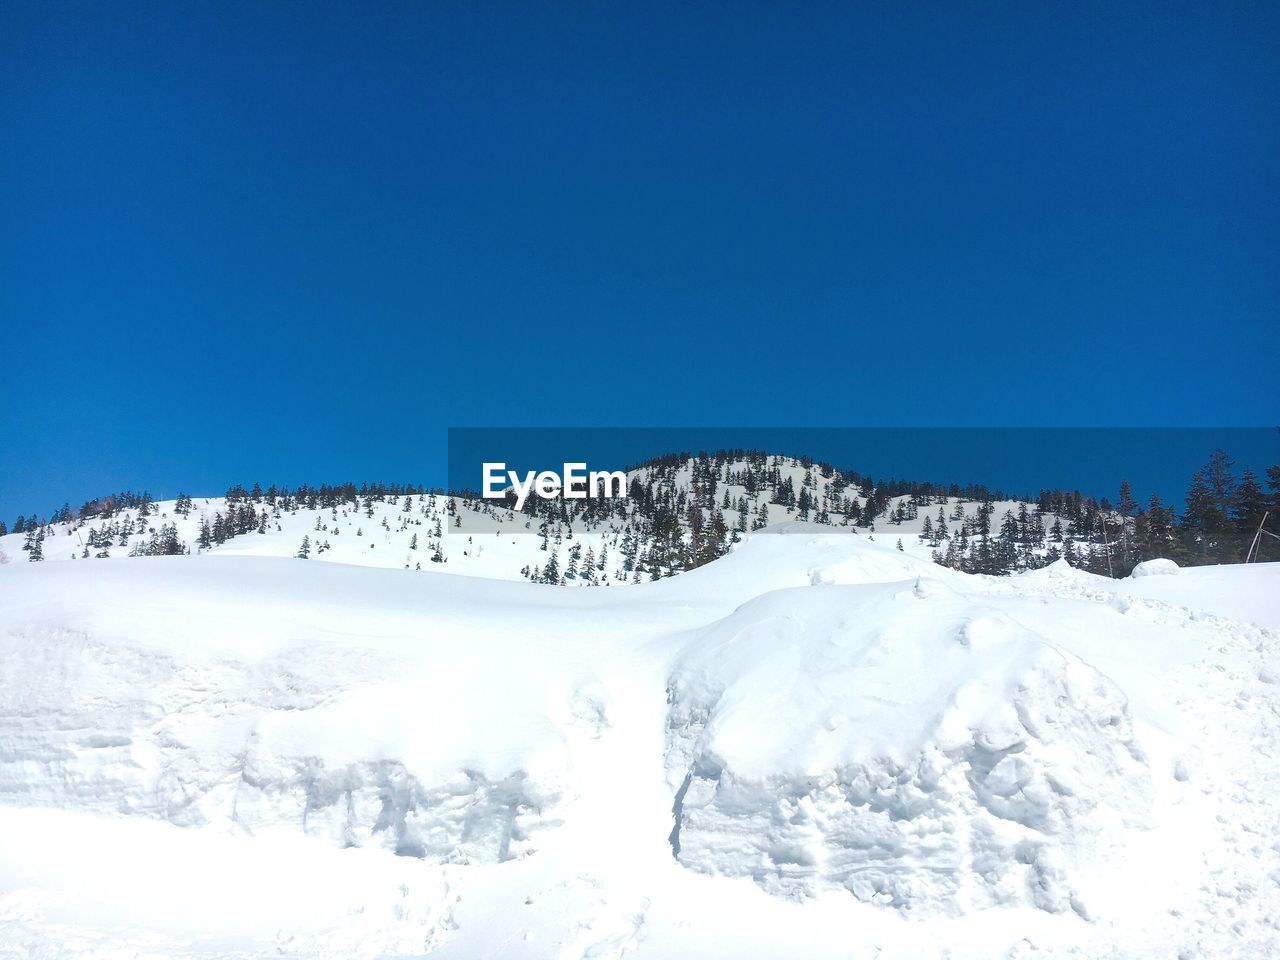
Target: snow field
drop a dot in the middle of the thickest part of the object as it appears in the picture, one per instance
(817, 744)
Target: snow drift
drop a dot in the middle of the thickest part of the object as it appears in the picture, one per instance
(902, 743)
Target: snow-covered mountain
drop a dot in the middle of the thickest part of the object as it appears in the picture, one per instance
(816, 745)
(682, 511)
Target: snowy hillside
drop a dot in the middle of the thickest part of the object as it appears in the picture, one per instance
(682, 512)
(817, 745)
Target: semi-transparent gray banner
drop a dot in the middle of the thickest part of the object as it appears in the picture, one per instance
(516, 479)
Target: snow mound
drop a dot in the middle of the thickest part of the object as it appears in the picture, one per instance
(1155, 568)
(1060, 571)
(258, 694)
(912, 747)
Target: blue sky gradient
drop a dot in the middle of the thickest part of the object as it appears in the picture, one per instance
(296, 242)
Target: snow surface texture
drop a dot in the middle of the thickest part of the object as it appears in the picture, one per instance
(817, 746)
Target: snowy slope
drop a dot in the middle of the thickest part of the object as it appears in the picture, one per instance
(478, 538)
(816, 745)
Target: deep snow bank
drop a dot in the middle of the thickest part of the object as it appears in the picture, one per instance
(283, 740)
(901, 742)
(343, 702)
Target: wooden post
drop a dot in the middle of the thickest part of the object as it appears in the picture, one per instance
(1103, 520)
(1256, 537)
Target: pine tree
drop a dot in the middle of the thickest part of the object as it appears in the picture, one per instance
(1247, 507)
(1154, 531)
(1273, 482)
(1125, 507)
(1202, 523)
(762, 518)
(1069, 552)
(716, 538)
(304, 551)
(1125, 504)
(1221, 483)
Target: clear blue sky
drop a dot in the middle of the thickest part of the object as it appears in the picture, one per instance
(296, 242)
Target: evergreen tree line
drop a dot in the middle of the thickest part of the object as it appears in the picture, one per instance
(1220, 523)
(325, 495)
(685, 510)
